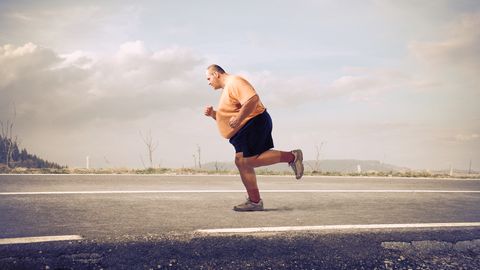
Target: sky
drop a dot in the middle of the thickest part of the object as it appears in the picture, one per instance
(393, 81)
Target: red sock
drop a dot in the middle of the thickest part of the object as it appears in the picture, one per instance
(253, 195)
(287, 157)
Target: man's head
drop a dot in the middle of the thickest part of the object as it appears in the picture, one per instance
(215, 76)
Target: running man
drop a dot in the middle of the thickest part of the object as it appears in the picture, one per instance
(242, 118)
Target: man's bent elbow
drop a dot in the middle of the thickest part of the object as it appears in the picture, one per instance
(254, 99)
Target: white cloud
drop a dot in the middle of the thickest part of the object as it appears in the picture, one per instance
(367, 84)
(466, 137)
(129, 49)
(80, 87)
(19, 16)
(79, 59)
(69, 27)
(279, 91)
(85, 98)
(9, 50)
(359, 84)
(24, 70)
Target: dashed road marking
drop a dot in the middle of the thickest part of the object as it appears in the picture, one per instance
(39, 239)
(338, 227)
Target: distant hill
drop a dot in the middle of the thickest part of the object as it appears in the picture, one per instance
(21, 158)
(340, 165)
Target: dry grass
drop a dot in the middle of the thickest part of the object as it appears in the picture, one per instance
(191, 171)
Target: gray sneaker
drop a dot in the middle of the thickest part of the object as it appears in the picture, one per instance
(297, 163)
(249, 206)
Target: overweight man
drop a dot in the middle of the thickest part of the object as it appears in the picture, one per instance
(243, 119)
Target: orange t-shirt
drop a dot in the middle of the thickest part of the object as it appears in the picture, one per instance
(236, 92)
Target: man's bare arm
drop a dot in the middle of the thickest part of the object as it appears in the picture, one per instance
(246, 109)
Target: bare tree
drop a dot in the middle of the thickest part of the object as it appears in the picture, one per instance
(9, 140)
(151, 146)
(316, 165)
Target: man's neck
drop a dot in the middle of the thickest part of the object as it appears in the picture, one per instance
(223, 79)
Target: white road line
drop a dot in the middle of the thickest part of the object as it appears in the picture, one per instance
(338, 227)
(39, 239)
(234, 191)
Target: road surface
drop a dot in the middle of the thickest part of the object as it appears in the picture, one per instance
(157, 221)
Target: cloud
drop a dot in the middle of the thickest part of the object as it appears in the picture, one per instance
(358, 84)
(69, 105)
(25, 74)
(79, 59)
(68, 26)
(367, 84)
(19, 16)
(452, 59)
(79, 88)
(467, 137)
(28, 58)
(279, 91)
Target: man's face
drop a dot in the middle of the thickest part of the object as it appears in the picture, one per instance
(213, 79)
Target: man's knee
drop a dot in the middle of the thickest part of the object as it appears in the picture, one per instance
(243, 162)
(239, 161)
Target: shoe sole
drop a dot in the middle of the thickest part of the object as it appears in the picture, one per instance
(247, 210)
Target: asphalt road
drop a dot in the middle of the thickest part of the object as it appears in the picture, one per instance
(143, 222)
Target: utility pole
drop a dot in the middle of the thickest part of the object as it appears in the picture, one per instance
(88, 162)
(470, 167)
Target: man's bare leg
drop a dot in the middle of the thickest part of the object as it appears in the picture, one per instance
(249, 178)
(293, 158)
(247, 173)
(269, 157)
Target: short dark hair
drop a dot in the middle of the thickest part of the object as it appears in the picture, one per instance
(216, 68)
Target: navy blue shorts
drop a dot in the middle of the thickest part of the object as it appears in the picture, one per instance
(255, 137)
